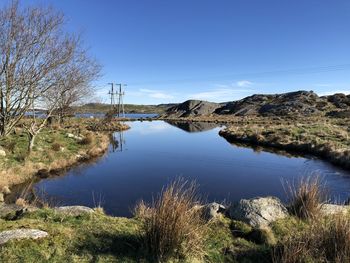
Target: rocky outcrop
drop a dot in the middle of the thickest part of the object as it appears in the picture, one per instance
(258, 212)
(339, 100)
(298, 103)
(192, 108)
(16, 234)
(304, 103)
(76, 210)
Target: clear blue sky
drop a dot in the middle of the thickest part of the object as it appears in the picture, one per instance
(169, 51)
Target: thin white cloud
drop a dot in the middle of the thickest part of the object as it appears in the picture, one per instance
(244, 83)
(331, 92)
(156, 94)
(222, 94)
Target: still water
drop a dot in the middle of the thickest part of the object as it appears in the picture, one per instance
(151, 154)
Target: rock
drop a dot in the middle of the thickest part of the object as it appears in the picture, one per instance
(331, 209)
(258, 212)
(2, 199)
(73, 210)
(2, 152)
(72, 136)
(213, 210)
(11, 211)
(16, 234)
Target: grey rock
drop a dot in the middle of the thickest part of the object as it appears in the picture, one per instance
(72, 136)
(13, 211)
(76, 210)
(258, 212)
(331, 209)
(16, 234)
(213, 210)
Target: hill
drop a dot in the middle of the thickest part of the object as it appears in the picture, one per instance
(129, 108)
(298, 103)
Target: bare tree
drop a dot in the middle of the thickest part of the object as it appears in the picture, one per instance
(73, 84)
(34, 52)
(76, 86)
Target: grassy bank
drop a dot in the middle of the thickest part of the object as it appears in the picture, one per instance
(101, 238)
(56, 148)
(174, 229)
(326, 138)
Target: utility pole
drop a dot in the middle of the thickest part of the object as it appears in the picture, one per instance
(111, 93)
(120, 108)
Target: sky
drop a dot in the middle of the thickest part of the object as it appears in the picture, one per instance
(217, 50)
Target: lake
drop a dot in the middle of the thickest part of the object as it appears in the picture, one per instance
(151, 154)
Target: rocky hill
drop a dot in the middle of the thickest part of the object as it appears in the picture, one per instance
(299, 103)
(193, 108)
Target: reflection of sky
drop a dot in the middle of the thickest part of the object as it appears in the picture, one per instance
(156, 152)
(150, 127)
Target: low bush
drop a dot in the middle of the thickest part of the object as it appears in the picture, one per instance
(325, 240)
(306, 198)
(87, 140)
(56, 147)
(172, 226)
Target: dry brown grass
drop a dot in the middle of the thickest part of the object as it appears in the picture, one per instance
(306, 198)
(326, 240)
(172, 227)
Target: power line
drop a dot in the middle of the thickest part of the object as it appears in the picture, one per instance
(295, 71)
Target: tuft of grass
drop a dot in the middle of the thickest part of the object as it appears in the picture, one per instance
(172, 227)
(306, 198)
(87, 140)
(56, 147)
(325, 240)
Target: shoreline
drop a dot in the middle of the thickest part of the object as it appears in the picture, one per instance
(23, 174)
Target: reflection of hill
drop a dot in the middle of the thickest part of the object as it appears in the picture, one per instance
(193, 126)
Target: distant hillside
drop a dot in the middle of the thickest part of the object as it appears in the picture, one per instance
(129, 108)
(299, 103)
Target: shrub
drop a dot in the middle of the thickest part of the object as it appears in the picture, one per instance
(326, 240)
(86, 140)
(172, 226)
(306, 198)
(56, 147)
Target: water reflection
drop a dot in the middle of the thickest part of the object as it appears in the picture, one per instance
(194, 126)
(157, 152)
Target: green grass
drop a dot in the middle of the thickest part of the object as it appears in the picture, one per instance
(101, 238)
(19, 166)
(90, 238)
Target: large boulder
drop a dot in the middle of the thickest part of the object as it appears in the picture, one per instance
(76, 210)
(16, 234)
(258, 212)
